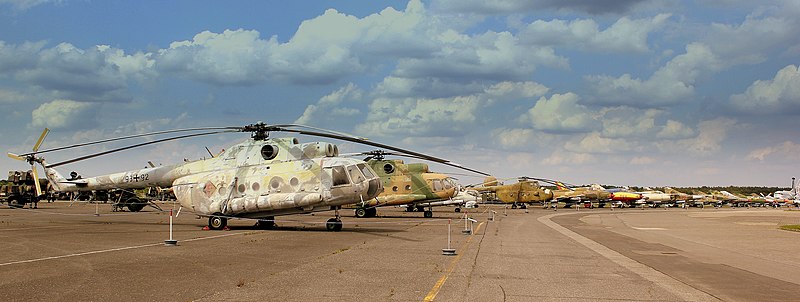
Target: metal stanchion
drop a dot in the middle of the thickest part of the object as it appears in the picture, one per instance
(170, 242)
(448, 251)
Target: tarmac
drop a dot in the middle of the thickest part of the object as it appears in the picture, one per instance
(64, 251)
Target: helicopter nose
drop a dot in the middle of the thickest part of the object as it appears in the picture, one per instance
(374, 187)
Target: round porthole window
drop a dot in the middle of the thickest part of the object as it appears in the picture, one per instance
(388, 168)
(269, 152)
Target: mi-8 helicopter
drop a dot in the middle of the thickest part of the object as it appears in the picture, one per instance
(412, 185)
(259, 178)
(525, 191)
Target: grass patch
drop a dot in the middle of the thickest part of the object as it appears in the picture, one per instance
(791, 227)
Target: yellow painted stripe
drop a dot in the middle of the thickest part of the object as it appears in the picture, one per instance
(435, 290)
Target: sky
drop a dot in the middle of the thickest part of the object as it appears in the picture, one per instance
(623, 92)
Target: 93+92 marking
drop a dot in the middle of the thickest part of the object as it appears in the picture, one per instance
(136, 177)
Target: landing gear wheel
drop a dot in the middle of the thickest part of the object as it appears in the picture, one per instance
(334, 225)
(372, 212)
(266, 223)
(217, 222)
(15, 203)
(514, 206)
(135, 205)
(523, 206)
(428, 214)
(458, 210)
(361, 213)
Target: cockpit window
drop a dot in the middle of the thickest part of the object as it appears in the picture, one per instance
(448, 183)
(339, 176)
(355, 174)
(367, 172)
(437, 185)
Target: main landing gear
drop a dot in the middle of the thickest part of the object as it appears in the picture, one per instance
(267, 223)
(366, 212)
(334, 224)
(217, 222)
(426, 213)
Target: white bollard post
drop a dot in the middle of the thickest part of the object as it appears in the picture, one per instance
(448, 251)
(170, 242)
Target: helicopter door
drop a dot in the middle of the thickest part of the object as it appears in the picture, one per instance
(339, 176)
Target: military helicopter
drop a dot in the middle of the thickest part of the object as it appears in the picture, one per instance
(412, 185)
(259, 178)
(525, 191)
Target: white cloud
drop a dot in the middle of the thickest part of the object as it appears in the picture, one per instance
(518, 6)
(625, 35)
(708, 141)
(332, 108)
(671, 84)
(60, 114)
(643, 160)
(560, 158)
(490, 56)
(10, 96)
(324, 49)
(561, 114)
(521, 138)
(23, 5)
(675, 130)
(96, 74)
(232, 57)
(771, 96)
(452, 115)
(619, 122)
(420, 117)
(787, 149)
(594, 143)
(755, 38)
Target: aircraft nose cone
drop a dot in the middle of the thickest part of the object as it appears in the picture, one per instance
(374, 187)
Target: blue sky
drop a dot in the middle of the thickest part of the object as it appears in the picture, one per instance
(634, 92)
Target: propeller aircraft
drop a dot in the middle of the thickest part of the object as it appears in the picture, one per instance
(258, 178)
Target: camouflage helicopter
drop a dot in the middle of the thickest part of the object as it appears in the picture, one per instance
(259, 178)
(412, 185)
(525, 191)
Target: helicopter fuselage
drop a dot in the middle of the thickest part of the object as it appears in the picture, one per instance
(255, 178)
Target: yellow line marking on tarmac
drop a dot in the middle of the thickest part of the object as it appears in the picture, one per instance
(109, 250)
(435, 290)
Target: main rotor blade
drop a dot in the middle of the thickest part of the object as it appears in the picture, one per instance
(129, 137)
(137, 145)
(320, 129)
(41, 139)
(379, 145)
(36, 181)
(14, 156)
